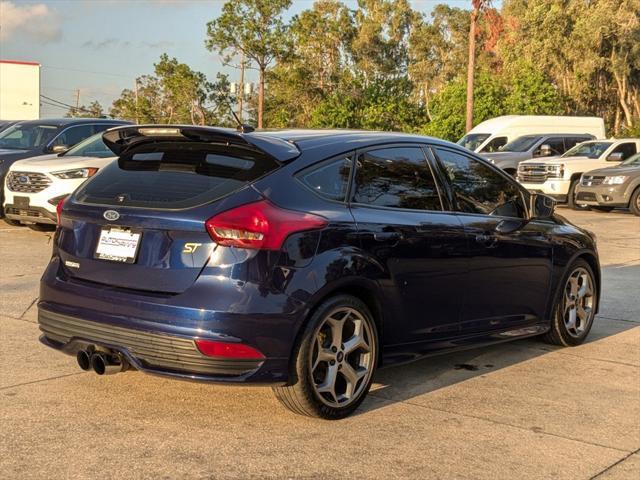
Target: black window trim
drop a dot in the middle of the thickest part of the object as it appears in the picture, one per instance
(526, 195)
(386, 146)
(348, 155)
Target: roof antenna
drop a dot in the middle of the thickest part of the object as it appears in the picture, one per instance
(241, 127)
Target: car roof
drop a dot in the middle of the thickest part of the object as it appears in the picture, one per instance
(63, 122)
(306, 139)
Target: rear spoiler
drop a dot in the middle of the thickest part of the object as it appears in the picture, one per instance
(121, 139)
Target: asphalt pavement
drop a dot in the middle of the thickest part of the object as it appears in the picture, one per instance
(519, 410)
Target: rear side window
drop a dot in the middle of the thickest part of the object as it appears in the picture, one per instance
(396, 177)
(329, 179)
(479, 189)
(571, 142)
(174, 175)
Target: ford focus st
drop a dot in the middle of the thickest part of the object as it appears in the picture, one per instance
(305, 260)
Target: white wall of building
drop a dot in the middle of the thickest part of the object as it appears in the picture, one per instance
(19, 90)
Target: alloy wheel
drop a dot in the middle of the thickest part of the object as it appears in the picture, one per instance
(342, 357)
(578, 302)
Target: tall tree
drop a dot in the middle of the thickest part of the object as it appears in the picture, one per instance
(93, 110)
(253, 28)
(174, 94)
(478, 6)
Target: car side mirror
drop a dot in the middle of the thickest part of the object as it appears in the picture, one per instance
(542, 206)
(615, 157)
(59, 148)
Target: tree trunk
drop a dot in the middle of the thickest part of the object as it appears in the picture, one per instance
(261, 97)
(470, 70)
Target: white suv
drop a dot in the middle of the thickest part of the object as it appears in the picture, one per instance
(558, 177)
(34, 186)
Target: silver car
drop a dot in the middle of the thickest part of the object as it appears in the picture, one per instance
(607, 188)
(533, 146)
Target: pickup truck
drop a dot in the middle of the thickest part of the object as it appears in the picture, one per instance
(559, 176)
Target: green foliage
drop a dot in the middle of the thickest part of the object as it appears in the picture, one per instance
(448, 107)
(175, 94)
(384, 104)
(531, 93)
(93, 110)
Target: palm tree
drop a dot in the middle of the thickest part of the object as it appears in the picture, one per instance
(478, 6)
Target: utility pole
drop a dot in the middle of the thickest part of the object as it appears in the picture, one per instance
(77, 102)
(135, 89)
(241, 89)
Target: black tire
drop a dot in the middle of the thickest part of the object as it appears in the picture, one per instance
(13, 223)
(571, 197)
(634, 203)
(559, 334)
(301, 395)
(42, 227)
(602, 209)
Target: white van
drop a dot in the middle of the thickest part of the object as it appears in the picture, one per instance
(492, 134)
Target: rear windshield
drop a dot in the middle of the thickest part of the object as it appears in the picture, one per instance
(174, 175)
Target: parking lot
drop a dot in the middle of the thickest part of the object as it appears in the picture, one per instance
(518, 410)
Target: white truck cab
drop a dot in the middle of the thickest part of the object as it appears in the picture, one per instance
(490, 135)
(559, 176)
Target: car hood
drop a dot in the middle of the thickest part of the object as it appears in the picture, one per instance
(53, 163)
(612, 171)
(500, 156)
(557, 160)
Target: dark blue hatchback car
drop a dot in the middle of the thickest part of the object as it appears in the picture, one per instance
(305, 260)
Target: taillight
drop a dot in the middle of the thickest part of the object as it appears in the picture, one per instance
(212, 348)
(59, 209)
(260, 225)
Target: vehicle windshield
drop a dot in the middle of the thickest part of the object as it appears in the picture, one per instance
(588, 149)
(521, 144)
(633, 161)
(27, 137)
(90, 147)
(473, 140)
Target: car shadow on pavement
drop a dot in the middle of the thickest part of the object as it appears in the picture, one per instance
(404, 382)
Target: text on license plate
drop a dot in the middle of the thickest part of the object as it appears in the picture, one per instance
(118, 244)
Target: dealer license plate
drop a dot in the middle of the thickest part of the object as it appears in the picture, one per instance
(118, 244)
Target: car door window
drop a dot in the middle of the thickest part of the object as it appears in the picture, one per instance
(73, 135)
(555, 144)
(571, 142)
(479, 189)
(330, 179)
(398, 177)
(627, 149)
(495, 145)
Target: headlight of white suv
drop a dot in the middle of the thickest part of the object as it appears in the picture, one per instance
(76, 173)
(615, 180)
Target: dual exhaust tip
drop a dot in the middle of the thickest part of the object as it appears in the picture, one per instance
(103, 363)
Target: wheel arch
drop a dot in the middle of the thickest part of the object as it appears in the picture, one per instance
(365, 290)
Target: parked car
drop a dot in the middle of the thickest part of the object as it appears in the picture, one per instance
(490, 135)
(34, 186)
(558, 177)
(533, 146)
(38, 137)
(305, 260)
(607, 188)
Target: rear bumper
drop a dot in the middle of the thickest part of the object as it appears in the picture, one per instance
(148, 351)
(156, 332)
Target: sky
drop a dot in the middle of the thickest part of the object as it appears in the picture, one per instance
(100, 46)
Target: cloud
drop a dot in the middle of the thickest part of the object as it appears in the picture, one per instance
(37, 21)
(114, 42)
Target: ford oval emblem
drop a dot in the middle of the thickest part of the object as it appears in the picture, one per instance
(111, 215)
